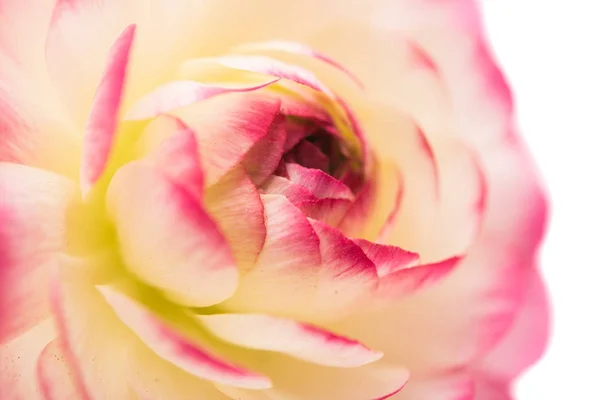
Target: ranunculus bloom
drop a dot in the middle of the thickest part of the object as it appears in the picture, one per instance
(261, 200)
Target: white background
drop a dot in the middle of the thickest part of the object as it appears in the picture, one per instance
(550, 52)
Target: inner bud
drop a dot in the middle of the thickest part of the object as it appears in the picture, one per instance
(316, 144)
(319, 149)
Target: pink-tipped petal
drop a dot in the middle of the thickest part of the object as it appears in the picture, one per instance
(330, 211)
(321, 184)
(235, 205)
(285, 275)
(55, 375)
(177, 157)
(296, 194)
(178, 94)
(525, 341)
(487, 285)
(271, 66)
(103, 119)
(387, 259)
(167, 239)
(177, 349)
(264, 157)
(406, 281)
(299, 340)
(347, 276)
(33, 205)
(79, 27)
(228, 127)
(92, 331)
(298, 49)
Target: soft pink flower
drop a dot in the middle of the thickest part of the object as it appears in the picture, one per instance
(262, 200)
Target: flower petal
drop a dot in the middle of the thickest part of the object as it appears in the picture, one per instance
(298, 49)
(362, 212)
(270, 66)
(525, 341)
(387, 259)
(472, 77)
(295, 193)
(418, 167)
(487, 285)
(264, 157)
(463, 201)
(330, 211)
(33, 209)
(55, 375)
(303, 341)
(485, 390)
(227, 128)
(310, 156)
(167, 239)
(235, 205)
(102, 122)
(390, 220)
(175, 348)
(406, 281)
(284, 278)
(377, 200)
(159, 379)
(346, 277)
(90, 332)
(298, 379)
(444, 386)
(305, 116)
(178, 94)
(90, 27)
(457, 219)
(23, 30)
(177, 158)
(321, 184)
(33, 127)
(18, 359)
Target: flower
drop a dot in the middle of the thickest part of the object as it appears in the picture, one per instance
(262, 200)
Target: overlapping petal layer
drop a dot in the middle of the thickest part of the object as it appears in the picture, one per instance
(168, 240)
